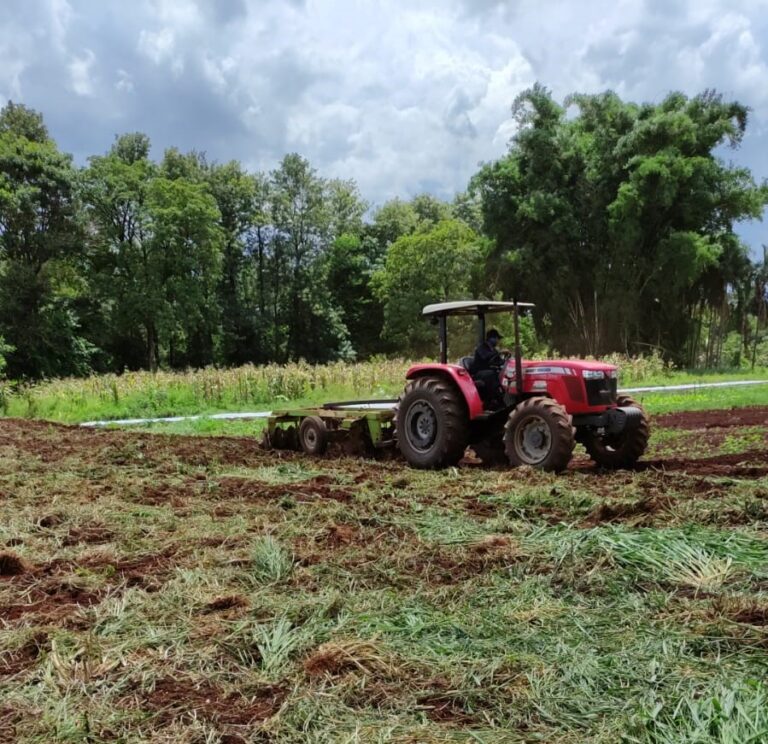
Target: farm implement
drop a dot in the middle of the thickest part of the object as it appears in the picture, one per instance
(359, 427)
(515, 412)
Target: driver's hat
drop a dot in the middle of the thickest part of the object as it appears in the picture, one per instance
(493, 333)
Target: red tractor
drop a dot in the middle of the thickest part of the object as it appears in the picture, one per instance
(542, 408)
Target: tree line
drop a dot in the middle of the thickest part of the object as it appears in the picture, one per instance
(616, 219)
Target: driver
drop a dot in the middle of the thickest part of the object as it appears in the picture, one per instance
(486, 366)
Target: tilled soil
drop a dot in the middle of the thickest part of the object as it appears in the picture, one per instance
(727, 418)
(67, 560)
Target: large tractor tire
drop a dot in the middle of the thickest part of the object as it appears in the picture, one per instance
(539, 433)
(622, 450)
(431, 423)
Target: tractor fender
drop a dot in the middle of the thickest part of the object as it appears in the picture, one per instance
(458, 376)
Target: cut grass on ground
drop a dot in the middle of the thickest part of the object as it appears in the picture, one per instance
(181, 589)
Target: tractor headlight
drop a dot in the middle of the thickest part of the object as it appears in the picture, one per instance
(613, 374)
(592, 374)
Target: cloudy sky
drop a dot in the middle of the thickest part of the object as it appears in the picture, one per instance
(405, 96)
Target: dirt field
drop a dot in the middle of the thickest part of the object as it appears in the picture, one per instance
(183, 589)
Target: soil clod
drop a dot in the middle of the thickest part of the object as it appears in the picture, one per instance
(12, 564)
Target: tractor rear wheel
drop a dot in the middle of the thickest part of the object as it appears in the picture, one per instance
(623, 450)
(539, 433)
(431, 424)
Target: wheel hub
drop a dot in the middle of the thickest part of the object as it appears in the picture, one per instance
(421, 425)
(533, 440)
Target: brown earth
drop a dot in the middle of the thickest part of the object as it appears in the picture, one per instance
(727, 418)
(173, 699)
(54, 591)
(348, 532)
(750, 464)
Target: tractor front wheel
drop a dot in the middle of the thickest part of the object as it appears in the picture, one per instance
(431, 424)
(623, 450)
(539, 433)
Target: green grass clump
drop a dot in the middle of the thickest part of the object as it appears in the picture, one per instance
(271, 562)
(725, 715)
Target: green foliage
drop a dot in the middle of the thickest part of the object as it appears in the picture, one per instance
(40, 246)
(734, 714)
(459, 605)
(5, 349)
(155, 256)
(351, 263)
(436, 263)
(21, 121)
(617, 219)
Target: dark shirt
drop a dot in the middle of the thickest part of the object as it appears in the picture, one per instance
(486, 357)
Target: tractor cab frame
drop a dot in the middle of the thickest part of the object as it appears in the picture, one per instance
(440, 312)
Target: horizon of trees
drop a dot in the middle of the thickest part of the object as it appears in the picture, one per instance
(615, 218)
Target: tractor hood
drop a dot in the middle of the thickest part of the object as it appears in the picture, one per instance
(561, 366)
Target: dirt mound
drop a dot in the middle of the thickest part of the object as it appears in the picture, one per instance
(450, 565)
(336, 535)
(337, 658)
(172, 699)
(25, 656)
(12, 564)
(725, 418)
(635, 511)
(54, 602)
(750, 464)
(91, 534)
(222, 604)
(443, 705)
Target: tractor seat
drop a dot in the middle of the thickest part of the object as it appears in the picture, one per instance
(467, 362)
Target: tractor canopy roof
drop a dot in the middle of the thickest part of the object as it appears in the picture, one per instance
(471, 307)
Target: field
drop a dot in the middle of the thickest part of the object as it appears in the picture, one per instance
(159, 588)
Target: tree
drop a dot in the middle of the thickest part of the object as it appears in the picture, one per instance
(351, 263)
(40, 246)
(154, 256)
(20, 121)
(435, 264)
(306, 323)
(391, 221)
(185, 246)
(235, 192)
(612, 217)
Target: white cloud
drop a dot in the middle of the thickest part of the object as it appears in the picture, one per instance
(10, 79)
(401, 96)
(124, 82)
(80, 73)
(61, 16)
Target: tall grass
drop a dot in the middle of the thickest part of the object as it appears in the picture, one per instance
(205, 390)
(138, 394)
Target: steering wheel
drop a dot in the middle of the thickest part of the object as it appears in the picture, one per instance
(504, 356)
